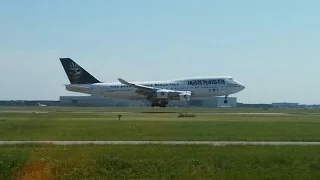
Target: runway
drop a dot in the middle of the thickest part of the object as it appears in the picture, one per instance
(212, 143)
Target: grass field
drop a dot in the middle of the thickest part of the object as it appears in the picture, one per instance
(159, 162)
(158, 124)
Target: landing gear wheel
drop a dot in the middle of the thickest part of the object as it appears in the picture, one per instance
(153, 104)
(225, 101)
(160, 103)
(163, 103)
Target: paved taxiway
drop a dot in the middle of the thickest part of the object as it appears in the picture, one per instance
(213, 143)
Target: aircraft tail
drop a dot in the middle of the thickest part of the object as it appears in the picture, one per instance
(76, 74)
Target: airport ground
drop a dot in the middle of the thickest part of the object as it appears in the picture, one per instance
(158, 161)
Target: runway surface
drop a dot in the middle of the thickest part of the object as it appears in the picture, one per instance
(213, 143)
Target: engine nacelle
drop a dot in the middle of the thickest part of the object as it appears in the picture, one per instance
(185, 97)
(162, 94)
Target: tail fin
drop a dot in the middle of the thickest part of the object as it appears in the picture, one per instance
(76, 74)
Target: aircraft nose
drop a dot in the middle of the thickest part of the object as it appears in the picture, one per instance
(242, 87)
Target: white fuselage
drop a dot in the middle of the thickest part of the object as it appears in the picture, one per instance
(201, 87)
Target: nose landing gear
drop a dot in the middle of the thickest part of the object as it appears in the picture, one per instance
(226, 99)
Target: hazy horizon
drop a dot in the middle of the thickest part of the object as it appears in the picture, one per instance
(271, 47)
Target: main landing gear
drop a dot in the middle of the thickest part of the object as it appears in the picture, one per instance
(160, 103)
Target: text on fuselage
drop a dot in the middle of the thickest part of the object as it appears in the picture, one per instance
(206, 82)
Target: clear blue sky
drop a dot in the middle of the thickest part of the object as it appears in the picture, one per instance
(270, 46)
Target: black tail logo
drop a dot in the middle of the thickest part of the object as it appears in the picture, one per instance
(75, 71)
(76, 74)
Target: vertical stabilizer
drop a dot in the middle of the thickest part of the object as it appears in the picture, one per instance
(76, 74)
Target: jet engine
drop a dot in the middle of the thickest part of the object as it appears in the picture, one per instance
(184, 97)
(162, 94)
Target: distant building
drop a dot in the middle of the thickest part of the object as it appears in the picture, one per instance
(219, 102)
(104, 101)
(96, 101)
(285, 105)
(29, 103)
(264, 106)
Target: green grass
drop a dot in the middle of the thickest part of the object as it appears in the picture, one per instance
(159, 162)
(156, 125)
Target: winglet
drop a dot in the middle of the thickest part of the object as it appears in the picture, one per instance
(123, 81)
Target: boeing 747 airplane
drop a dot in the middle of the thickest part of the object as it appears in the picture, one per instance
(159, 93)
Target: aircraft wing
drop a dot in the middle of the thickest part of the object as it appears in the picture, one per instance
(146, 90)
